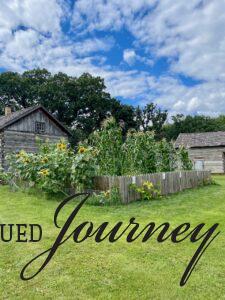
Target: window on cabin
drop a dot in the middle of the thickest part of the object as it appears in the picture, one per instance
(199, 164)
(39, 127)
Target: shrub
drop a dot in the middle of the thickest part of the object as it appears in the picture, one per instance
(84, 168)
(108, 142)
(140, 152)
(55, 168)
(52, 168)
(167, 156)
(147, 190)
(110, 197)
(186, 163)
(4, 177)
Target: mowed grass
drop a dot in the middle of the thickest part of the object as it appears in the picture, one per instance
(120, 270)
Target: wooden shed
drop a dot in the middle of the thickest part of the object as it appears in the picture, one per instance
(20, 130)
(206, 149)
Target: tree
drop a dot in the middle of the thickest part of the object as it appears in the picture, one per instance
(189, 124)
(91, 103)
(81, 103)
(124, 115)
(151, 117)
(12, 91)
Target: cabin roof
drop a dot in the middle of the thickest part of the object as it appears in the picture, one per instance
(6, 121)
(201, 139)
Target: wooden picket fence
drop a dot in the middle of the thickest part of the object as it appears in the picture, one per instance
(167, 183)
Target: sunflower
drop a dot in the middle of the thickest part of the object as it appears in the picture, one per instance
(106, 194)
(82, 149)
(44, 172)
(148, 184)
(61, 146)
(44, 160)
(26, 160)
(21, 154)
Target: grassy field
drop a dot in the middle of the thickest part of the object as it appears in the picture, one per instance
(116, 271)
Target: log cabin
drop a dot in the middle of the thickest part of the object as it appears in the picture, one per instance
(20, 130)
(206, 150)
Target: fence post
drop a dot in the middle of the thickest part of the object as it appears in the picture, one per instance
(171, 182)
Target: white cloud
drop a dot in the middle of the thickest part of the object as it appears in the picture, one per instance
(129, 56)
(40, 15)
(188, 33)
(93, 45)
(107, 15)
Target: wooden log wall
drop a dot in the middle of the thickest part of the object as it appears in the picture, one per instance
(12, 141)
(212, 157)
(167, 183)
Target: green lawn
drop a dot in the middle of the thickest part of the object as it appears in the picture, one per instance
(116, 271)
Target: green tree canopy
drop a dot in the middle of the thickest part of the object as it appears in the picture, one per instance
(81, 103)
(189, 124)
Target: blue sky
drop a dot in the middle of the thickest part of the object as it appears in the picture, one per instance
(165, 51)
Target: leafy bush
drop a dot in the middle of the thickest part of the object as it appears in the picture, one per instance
(84, 168)
(52, 168)
(147, 190)
(167, 156)
(186, 163)
(108, 141)
(139, 153)
(55, 168)
(110, 197)
(4, 177)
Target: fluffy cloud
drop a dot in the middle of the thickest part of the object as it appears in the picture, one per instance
(40, 15)
(93, 45)
(189, 34)
(108, 15)
(129, 56)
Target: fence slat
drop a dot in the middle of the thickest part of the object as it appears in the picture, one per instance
(167, 183)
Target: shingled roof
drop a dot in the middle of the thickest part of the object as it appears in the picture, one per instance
(5, 121)
(201, 139)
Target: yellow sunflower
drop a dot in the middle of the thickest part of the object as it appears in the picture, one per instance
(44, 172)
(21, 154)
(61, 146)
(26, 160)
(82, 149)
(148, 184)
(106, 194)
(44, 160)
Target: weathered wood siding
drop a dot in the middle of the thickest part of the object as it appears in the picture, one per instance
(27, 124)
(167, 183)
(213, 158)
(14, 141)
(1, 149)
(21, 135)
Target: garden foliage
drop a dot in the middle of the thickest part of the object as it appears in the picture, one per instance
(108, 141)
(147, 190)
(137, 153)
(54, 168)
